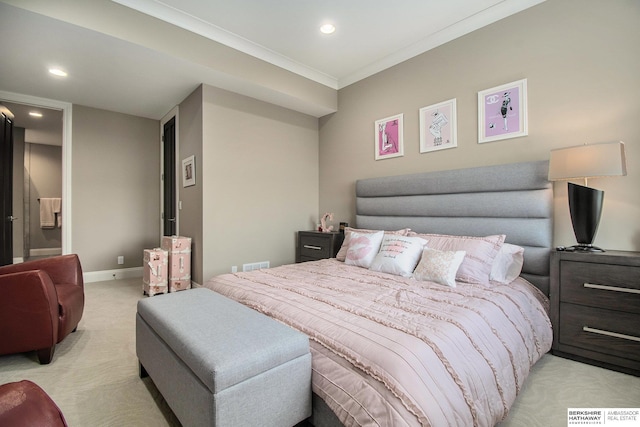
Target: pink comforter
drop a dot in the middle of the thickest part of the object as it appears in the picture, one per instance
(393, 351)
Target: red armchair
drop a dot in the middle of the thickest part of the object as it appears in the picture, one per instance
(41, 302)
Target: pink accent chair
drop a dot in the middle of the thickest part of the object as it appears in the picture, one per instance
(41, 302)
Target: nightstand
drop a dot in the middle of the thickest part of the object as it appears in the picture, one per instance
(595, 308)
(315, 245)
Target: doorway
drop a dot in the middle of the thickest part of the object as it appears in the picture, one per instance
(65, 110)
(6, 186)
(169, 171)
(36, 182)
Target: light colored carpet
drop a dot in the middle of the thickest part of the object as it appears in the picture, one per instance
(94, 374)
(93, 377)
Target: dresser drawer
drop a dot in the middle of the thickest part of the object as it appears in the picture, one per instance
(607, 286)
(315, 246)
(603, 331)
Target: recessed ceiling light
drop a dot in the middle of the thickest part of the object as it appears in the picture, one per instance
(328, 29)
(35, 114)
(57, 72)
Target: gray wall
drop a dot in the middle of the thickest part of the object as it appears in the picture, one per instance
(190, 143)
(582, 64)
(43, 169)
(37, 168)
(115, 187)
(18, 191)
(259, 178)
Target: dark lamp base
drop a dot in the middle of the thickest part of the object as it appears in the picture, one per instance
(584, 248)
(585, 206)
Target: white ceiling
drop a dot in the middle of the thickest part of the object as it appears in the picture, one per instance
(51, 119)
(114, 74)
(46, 129)
(371, 35)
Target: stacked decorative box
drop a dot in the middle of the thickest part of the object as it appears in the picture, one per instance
(179, 249)
(156, 271)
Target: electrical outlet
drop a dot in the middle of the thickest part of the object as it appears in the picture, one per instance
(120, 260)
(234, 268)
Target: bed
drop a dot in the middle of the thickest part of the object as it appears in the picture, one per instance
(430, 349)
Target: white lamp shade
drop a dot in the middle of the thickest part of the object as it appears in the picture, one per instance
(588, 161)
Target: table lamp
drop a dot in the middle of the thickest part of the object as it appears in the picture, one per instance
(585, 203)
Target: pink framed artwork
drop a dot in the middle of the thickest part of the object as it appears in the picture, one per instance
(438, 126)
(388, 137)
(502, 112)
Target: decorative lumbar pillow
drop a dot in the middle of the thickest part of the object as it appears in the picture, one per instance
(481, 251)
(439, 266)
(508, 264)
(398, 255)
(342, 253)
(363, 248)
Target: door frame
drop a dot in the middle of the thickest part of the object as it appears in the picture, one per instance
(174, 112)
(67, 112)
(6, 202)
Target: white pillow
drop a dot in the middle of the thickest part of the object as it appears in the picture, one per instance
(508, 264)
(398, 255)
(439, 266)
(363, 248)
(342, 253)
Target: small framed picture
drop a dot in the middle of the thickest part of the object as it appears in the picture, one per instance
(438, 126)
(502, 112)
(189, 171)
(388, 137)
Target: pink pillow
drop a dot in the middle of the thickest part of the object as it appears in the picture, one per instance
(363, 248)
(508, 264)
(480, 254)
(342, 253)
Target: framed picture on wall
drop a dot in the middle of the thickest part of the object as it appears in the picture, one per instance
(438, 126)
(388, 137)
(502, 112)
(189, 171)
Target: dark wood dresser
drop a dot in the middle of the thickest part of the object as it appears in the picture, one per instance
(595, 308)
(315, 245)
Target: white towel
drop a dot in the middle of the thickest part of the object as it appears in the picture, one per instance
(49, 208)
(57, 209)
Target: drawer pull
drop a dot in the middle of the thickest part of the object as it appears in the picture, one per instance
(612, 288)
(610, 334)
(315, 248)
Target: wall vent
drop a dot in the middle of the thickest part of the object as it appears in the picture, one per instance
(255, 266)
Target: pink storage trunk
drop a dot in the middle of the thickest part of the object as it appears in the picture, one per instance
(155, 272)
(176, 244)
(179, 249)
(179, 284)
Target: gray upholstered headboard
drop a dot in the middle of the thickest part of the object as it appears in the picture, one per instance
(513, 199)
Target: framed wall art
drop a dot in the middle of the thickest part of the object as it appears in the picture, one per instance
(438, 126)
(388, 137)
(502, 112)
(189, 171)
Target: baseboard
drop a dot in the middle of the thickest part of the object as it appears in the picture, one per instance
(122, 273)
(45, 252)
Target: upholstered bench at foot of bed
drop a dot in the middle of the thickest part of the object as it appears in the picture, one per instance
(219, 363)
